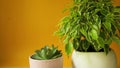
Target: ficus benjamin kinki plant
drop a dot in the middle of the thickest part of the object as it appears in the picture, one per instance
(91, 26)
(47, 53)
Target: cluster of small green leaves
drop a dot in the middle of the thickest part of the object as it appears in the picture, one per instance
(47, 53)
(91, 26)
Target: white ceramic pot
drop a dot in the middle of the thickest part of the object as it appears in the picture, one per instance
(52, 63)
(94, 60)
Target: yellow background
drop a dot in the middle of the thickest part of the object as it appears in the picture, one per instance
(27, 25)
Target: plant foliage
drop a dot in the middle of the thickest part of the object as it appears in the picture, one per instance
(91, 26)
(47, 53)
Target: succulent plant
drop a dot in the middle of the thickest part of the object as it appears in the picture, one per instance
(47, 53)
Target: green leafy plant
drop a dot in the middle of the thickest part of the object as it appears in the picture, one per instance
(91, 26)
(47, 53)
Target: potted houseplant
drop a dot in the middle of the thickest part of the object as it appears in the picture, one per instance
(89, 29)
(46, 57)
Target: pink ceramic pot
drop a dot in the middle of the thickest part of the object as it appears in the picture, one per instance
(52, 63)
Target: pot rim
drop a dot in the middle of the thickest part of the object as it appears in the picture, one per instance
(45, 60)
(111, 50)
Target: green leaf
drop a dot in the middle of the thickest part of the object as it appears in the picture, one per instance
(109, 41)
(66, 40)
(67, 28)
(85, 45)
(94, 34)
(95, 18)
(74, 30)
(107, 25)
(59, 33)
(52, 52)
(106, 49)
(96, 10)
(75, 44)
(83, 32)
(57, 54)
(77, 1)
(104, 12)
(118, 26)
(42, 53)
(101, 42)
(99, 23)
(95, 27)
(68, 48)
(117, 9)
(35, 56)
(64, 20)
(116, 39)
